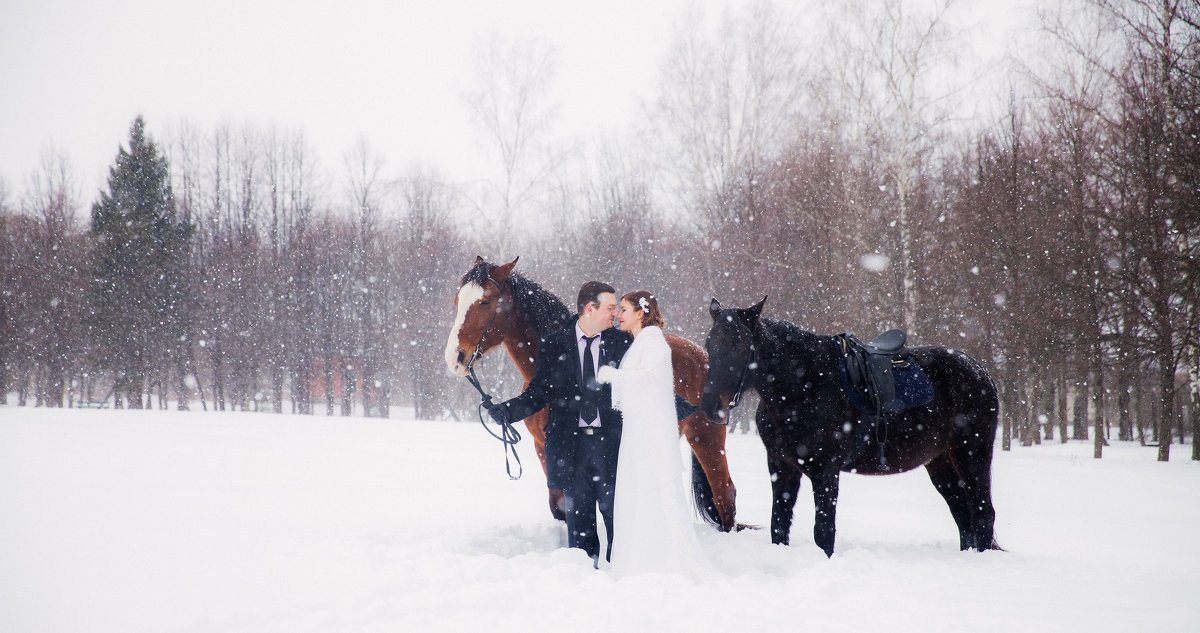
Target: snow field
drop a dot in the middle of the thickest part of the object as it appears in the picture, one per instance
(128, 521)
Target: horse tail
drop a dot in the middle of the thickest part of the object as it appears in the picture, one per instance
(702, 494)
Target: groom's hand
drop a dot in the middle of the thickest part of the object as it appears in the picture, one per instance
(499, 414)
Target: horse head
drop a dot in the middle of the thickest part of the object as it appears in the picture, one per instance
(731, 358)
(483, 309)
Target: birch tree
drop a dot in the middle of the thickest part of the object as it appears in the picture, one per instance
(890, 65)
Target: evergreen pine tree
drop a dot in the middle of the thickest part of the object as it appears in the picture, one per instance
(138, 283)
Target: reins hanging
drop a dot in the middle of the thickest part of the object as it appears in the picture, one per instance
(508, 435)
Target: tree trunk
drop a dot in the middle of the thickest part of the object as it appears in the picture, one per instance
(1079, 422)
(908, 282)
(1124, 427)
(1137, 407)
(196, 375)
(1194, 388)
(277, 387)
(369, 390)
(301, 385)
(328, 385)
(1166, 408)
(1008, 406)
(1061, 410)
(1030, 432)
(1047, 408)
(1101, 429)
(349, 388)
(218, 376)
(3, 367)
(136, 387)
(182, 394)
(385, 404)
(1181, 426)
(1195, 415)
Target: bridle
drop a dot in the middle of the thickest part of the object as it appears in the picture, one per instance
(478, 353)
(751, 363)
(508, 435)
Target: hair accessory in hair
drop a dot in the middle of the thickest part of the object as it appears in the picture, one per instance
(645, 304)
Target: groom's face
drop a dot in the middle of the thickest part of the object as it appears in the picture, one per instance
(601, 318)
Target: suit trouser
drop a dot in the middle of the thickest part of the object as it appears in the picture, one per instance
(591, 487)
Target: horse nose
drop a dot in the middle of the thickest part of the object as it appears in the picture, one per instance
(454, 363)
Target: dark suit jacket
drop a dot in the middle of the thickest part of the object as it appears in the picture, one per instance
(556, 384)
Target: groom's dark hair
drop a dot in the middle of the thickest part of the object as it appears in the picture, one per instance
(590, 293)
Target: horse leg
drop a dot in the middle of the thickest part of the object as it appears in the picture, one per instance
(825, 495)
(536, 425)
(708, 446)
(972, 458)
(785, 483)
(951, 486)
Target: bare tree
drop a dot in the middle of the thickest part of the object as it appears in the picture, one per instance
(420, 263)
(290, 183)
(8, 299)
(368, 192)
(55, 288)
(510, 102)
(891, 65)
(729, 102)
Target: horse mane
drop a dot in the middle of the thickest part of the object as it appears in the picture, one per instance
(544, 311)
(788, 341)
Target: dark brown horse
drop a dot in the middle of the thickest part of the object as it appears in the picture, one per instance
(805, 418)
(496, 306)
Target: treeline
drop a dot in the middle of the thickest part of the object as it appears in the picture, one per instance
(1056, 241)
(231, 287)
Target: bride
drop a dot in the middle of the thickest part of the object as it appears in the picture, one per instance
(652, 523)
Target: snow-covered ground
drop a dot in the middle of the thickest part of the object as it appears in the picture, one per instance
(154, 521)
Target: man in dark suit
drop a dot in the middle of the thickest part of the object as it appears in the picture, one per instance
(583, 433)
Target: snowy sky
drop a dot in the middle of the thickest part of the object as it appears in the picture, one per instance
(74, 73)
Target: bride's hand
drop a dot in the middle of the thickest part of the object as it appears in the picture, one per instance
(605, 374)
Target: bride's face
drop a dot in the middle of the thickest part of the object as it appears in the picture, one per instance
(630, 319)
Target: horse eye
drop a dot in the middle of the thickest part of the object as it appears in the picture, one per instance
(483, 303)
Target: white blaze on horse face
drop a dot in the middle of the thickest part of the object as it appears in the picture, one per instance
(467, 296)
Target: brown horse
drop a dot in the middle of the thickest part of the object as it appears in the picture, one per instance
(496, 306)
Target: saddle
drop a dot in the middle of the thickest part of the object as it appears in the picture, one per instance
(879, 377)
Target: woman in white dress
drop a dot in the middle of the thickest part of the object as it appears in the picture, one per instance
(653, 529)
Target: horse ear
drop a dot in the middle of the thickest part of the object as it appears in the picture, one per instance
(502, 273)
(714, 308)
(755, 311)
(478, 261)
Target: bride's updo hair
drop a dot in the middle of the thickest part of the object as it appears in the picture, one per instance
(644, 301)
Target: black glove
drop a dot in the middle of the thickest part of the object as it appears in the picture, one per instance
(683, 408)
(500, 414)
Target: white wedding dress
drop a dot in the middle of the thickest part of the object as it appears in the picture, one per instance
(653, 529)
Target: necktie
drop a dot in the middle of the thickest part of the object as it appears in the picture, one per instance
(590, 389)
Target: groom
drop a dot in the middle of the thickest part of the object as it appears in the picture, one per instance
(583, 432)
